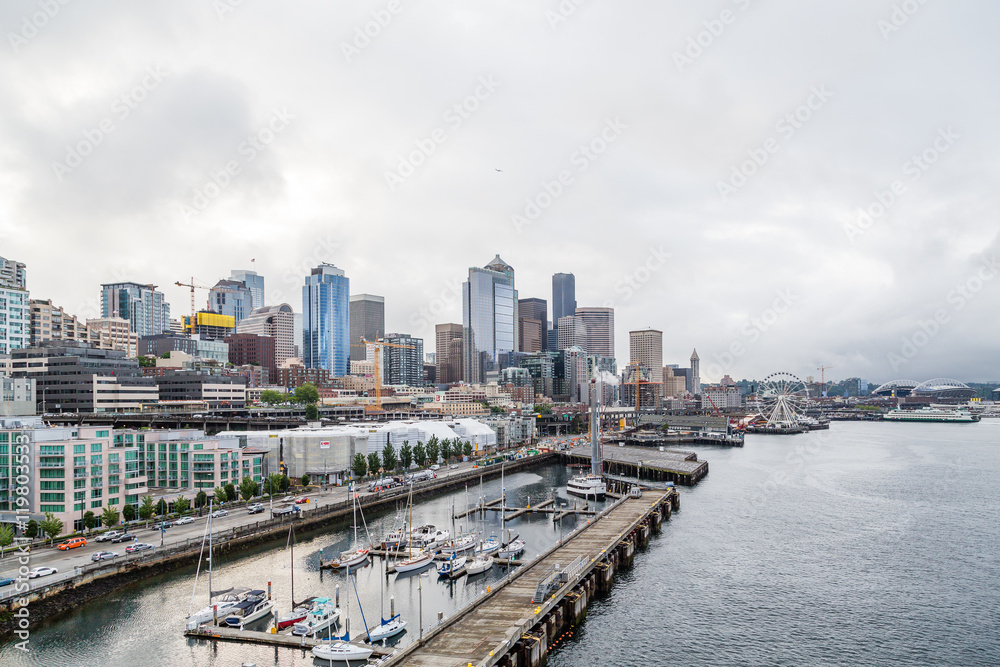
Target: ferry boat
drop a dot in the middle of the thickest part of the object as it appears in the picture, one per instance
(587, 486)
(934, 413)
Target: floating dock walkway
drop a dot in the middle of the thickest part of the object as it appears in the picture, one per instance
(223, 633)
(516, 622)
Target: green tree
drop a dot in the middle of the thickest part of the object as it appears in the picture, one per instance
(272, 397)
(388, 457)
(374, 463)
(543, 409)
(467, 448)
(128, 512)
(432, 450)
(182, 505)
(446, 449)
(419, 454)
(51, 525)
(312, 412)
(146, 362)
(109, 517)
(89, 520)
(307, 393)
(248, 488)
(304, 481)
(230, 489)
(220, 495)
(31, 530)
(359, 465)
(146, 509)
(406, 455)
(6, 536)
(285, 483)
(272, 485)
(201, 499)
(161, 507)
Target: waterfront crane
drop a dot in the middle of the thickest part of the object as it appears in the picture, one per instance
(377, 346)
(822, 376)
(193, 285)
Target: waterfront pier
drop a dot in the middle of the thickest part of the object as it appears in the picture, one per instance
(668, 465)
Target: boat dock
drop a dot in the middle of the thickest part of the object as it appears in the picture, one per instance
(668, 465)
(517, 621)
(544, 507)
(287, 640)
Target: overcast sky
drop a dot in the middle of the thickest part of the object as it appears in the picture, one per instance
(713, 159)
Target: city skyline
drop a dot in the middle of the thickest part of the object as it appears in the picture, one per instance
(819, 197)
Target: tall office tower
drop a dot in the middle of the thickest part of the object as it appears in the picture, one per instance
(577, 382)
(253, 282)
(404, 365)
(231, 297)
(646, 348)
(600, 324)
(448, 356)
(572, 332)
(489, 320)
(533, 324)
(563, 298)
(367, 321)
(326, 320)
(15, 306)
(278, 322)
(146, 309)
(695, 373)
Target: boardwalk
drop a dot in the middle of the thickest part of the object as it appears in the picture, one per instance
(500, 618)
(669, 465)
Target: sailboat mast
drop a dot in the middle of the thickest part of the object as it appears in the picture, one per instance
(291, 531)
(596, 466)
(210, 553)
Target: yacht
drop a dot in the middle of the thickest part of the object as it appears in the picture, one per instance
(587, 486)
(255, 607)
(324, 613)
(297, 614)
(934, 413)
(460, 545)
(220, 608)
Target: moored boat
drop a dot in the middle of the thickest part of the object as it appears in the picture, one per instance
(255, 607)
(453, 566)
(416, 562)
(478, 565)
(324, 613)
(587, 486)
(296, 614)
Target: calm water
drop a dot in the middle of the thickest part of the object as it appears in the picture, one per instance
(873, 544)
(868, 544)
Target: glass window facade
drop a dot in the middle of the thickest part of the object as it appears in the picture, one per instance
(326, 320)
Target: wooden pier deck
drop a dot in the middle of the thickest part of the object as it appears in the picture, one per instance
(670, 465)
(485, 632)
(287, 640)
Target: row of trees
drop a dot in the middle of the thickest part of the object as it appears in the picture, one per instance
(306, 394)
(420, 454)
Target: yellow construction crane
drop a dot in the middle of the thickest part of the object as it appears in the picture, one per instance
(822, 377)
(193, 285)
(377, 346)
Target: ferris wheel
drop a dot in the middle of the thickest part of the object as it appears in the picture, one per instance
(781, 399)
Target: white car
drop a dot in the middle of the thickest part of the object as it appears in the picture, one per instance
(108, 536)
(184, 520)
(42, 571)
(219, 514)
(103, 555)
(435, 467)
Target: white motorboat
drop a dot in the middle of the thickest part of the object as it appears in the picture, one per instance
(388, 628)
(421, 560)
(453, 566)
(460, 545)
(324, 613)
(587, 486)
(341, 651)
(511, 549)
(255, 607)
(350, 558)
(478, 565)
(222, 607)
(429, 537)
(295, 615)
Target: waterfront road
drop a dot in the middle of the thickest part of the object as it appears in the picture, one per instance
(66, 562)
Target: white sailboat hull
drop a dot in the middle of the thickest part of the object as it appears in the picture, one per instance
(416, 563)
(389, 628)
(341, 651)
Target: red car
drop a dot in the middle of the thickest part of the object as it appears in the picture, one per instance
(301, 501)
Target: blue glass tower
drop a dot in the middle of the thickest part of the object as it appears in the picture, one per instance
(326, 320)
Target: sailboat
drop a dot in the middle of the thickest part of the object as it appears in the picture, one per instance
(299, 610)
(421, 558)
(324, 614)
(342, 649)
(453, 567)
(228, 599)
(388, 627)
(360, 554)
(478, 565)
(591, 485)
(511, 547)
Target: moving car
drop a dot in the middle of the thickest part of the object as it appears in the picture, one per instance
(435, 467)
(108, 536)
(6, 581)
(72, 544)
(183, 521)
(124, 537)
(42, 571)
(103, 555)
(285, 511)
(256, 508)
(138, 546)
(219, 513)
(302, 500)
(163, 525)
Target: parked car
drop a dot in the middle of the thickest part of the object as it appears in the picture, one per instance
(435, 467)
(72, 544)
(301, 501)
(42, 571)
(183, 521)
(256, 508)
(108, 536)
(219, 514)
(453, 466)
(138, 546)
(124, 537)
(103, 555)
(6, 581)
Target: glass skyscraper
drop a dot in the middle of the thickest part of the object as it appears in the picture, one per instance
(367, 321)
(143, 306)
(326, 320)
(254, 282)
(563, 301)
(489, 320)
(233, 298)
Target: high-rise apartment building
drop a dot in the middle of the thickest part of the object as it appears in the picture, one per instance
(448, 354)
(572, 332)
(113, 333)
(695, 373)
(278, 322)
(403, 365)
(367, 321)
(489, 320)
(232, 298)
(51, 322)
(209, 325)
(563, 298)
(646, 348)
(600, 326)
(254, 282)
(533, 324)
(15, 306)
(143, 306)
(326, 320)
